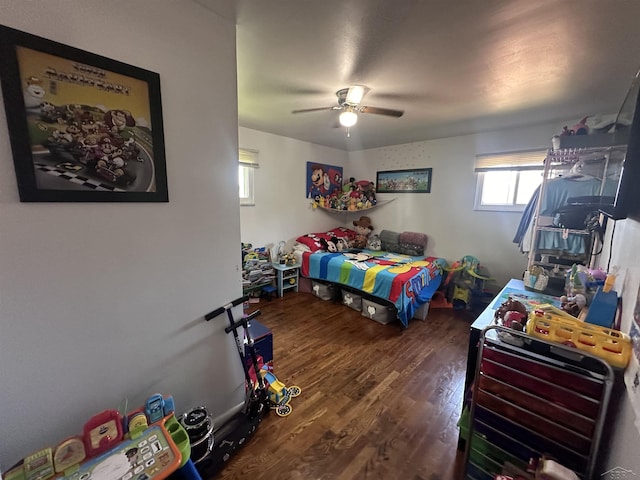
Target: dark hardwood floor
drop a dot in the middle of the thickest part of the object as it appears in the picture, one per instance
(377, 402)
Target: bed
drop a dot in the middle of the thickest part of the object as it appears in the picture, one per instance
(406, 281)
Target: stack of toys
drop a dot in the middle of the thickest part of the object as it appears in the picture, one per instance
(354, 196)
(256, 267)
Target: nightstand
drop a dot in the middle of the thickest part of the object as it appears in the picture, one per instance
(287, 276)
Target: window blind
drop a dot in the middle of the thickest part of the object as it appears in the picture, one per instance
(248, 158)
(524, 160)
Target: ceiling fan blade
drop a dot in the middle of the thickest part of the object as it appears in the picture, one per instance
(381, 111)
(313, 109)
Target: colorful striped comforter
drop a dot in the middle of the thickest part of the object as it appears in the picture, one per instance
(405, 281)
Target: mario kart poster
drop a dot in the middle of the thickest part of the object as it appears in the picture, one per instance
(88, 126)
(323, 180)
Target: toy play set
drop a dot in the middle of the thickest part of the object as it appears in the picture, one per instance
(151, 443)
(464, 285)
(146, 443)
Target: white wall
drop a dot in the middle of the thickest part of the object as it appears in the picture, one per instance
(281, 210)
(99, 302)
(446, 214)
(623, 253)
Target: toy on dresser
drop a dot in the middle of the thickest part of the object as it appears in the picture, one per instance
(511, 314)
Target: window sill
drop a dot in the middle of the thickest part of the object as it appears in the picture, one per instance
(499, 208)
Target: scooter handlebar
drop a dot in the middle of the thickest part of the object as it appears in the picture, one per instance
(226, 307)
(243, 321)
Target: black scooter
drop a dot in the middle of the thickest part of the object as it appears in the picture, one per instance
(235, 432)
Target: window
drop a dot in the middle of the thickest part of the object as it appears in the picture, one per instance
(506, 181)
(248, 162)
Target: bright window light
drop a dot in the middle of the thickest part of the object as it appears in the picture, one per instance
(507, 181)
(248, 163)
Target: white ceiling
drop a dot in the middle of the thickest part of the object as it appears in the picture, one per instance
(455, 67)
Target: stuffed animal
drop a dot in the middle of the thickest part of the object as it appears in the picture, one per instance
(334, 244)
(374, 243)
(573, 305)
(349, 187)
(363, 228)
(353, 203)
(368, 191)
(580, 128)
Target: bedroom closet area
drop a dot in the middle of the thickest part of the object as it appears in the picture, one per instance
(563, 219)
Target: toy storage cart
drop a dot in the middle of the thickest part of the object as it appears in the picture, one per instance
(533, 400)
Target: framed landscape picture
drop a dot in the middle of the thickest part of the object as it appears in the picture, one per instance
(404, 181)
(83, 128)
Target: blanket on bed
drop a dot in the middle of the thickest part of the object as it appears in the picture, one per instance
(405, 281)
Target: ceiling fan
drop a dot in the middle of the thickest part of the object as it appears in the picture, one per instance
(349, 102)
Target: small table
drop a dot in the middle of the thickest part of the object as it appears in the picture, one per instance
(285, 273)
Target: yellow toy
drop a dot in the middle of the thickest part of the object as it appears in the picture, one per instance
(279, 394)
(555, 325)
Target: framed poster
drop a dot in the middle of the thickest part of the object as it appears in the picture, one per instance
(83, 128)
(404, 181)
(323, 180)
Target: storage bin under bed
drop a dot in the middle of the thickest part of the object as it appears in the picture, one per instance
(421, 312)
(324, 291)
(352, 300)
(380, 313)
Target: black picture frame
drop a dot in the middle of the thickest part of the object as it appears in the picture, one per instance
(82, 127)
(415, 180)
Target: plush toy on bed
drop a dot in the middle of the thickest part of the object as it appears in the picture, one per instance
(334, 244)
(363, 228)
(373, 243)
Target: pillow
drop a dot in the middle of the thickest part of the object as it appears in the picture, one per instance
(312, 240)
(410, 249)
(299, 247)
(413, 238)
(344, 233)
(390, 241)
(412, 243)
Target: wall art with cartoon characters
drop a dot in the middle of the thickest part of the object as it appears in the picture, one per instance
(82, 127)
(322, 180)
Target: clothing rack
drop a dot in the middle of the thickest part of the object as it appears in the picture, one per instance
(554, 247)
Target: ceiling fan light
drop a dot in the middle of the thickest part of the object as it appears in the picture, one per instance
(354, 95)
(348, 118)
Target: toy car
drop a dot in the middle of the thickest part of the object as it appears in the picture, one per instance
(279, 394)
